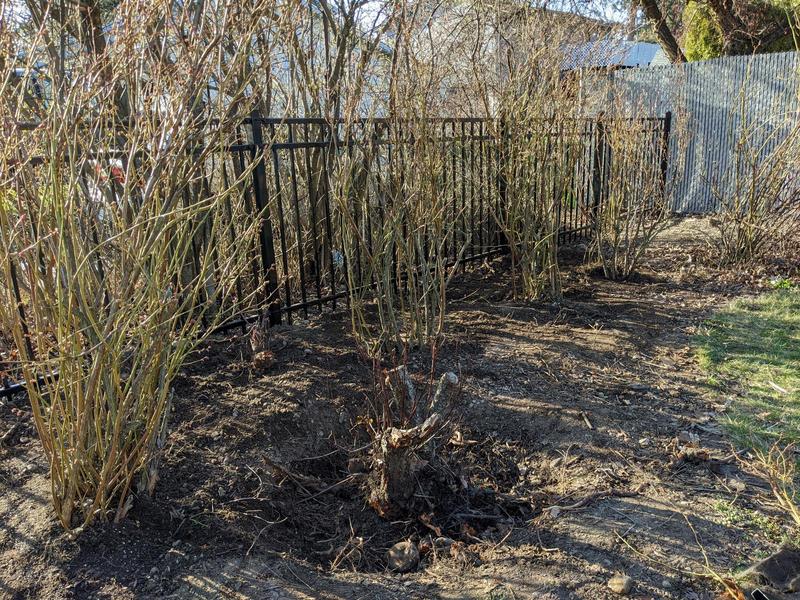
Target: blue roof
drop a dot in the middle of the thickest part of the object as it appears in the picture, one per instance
(609, 52)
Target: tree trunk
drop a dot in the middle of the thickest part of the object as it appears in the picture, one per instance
(400, 455)
(662, 31)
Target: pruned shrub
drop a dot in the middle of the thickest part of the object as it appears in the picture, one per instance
(539, 135)
(392, 182)
(408, 424)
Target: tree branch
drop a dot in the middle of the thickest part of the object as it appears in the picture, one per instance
(662, 31)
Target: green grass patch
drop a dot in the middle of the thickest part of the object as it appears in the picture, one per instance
(753, 346)
(731, 514)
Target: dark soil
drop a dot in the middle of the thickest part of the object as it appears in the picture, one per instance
(569, 447)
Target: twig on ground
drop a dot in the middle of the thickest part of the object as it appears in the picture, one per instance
(542, 546)
(591, 498)
(258, 535)
(505, 537)
(333, 486)
(10, 433)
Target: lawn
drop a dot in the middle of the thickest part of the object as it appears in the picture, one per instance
(752, 347)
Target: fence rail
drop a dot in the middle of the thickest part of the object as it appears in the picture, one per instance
(282, 170)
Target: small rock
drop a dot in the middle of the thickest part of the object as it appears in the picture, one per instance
(666, 584)
(620, 584)
(443, 542)
(781, 570)
(153, 571)
(403, 557)
(689, 438)
(737, 485)
(644, 442)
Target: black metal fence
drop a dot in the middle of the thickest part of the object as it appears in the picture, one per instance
(285, 172)
(303, 250)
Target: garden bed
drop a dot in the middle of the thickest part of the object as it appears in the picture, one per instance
(587, 435)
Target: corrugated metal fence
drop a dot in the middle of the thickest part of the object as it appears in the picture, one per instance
(713, 102)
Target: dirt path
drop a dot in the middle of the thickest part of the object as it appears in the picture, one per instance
(592, 413)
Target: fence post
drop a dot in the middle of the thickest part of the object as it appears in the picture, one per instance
(272, 295)
(597, 168)
(502, 184)
(665, 150)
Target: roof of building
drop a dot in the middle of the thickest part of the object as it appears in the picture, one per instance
(611, 53)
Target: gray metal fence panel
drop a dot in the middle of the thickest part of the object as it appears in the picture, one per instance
(714, 101)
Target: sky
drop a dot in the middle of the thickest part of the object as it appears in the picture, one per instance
(607, 10)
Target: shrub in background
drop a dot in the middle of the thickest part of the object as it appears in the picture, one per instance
(759, 190)
(636, 201)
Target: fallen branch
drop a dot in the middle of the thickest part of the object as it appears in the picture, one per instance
(8, 435)
(304, 482)
(591, 498)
